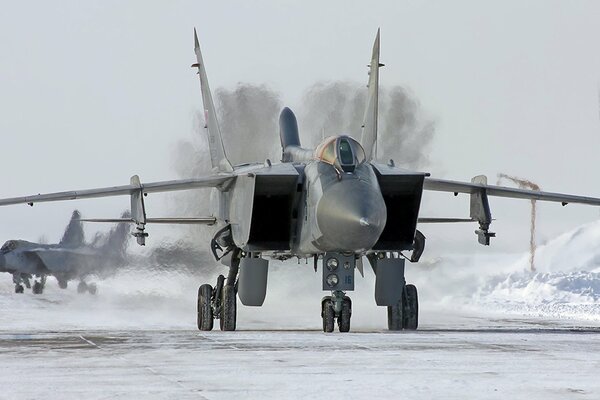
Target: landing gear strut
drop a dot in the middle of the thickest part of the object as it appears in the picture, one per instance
(337, 306)
(38, 286)
(221, 302)
(19, 280)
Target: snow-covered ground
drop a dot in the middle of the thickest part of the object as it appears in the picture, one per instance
(183, 364)
(489, 329)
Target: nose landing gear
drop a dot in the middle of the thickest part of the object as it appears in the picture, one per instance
(337, 306)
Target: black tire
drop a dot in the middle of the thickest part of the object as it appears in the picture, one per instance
(395, 316)
(228, 308)
(37, 288)
(19, 289)
(345, 314)
(62, 284)
(328, 315)
(82, 287)
(411, 308)
(92, 288)
(205, 314)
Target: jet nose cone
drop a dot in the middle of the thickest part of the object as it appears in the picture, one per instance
(351, 216)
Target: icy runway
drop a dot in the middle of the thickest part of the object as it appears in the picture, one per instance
(514, 363)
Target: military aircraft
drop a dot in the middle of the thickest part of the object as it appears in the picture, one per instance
(67, 260)
(334, 204)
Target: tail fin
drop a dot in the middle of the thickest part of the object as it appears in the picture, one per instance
(117, 238)
(369, 128)
(218, 158)
(73, 236)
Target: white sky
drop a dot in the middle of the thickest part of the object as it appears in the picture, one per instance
(94, 92)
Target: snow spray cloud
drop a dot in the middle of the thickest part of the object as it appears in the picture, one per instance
(405, 133)
(248, 118)
(249, 115)
(331, 109)
(526, 184)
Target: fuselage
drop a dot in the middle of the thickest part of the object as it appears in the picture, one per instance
(315, 202)
(16, 257)
(341, 211)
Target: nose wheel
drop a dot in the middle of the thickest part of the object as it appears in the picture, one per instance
(338, 307)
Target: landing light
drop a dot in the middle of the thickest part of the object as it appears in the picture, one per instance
(332, 280)
(332, 264)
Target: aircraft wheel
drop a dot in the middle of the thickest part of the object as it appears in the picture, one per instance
(92, 288)
(19, 289)
(38, 288)
(345, 314)
(411, 308)
(62, 284)
(82, 287)
(205, 313)
(328, 314)
(395, 316)
(228, 308)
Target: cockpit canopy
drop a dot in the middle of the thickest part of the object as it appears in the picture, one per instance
(343, 152)
(9, 246)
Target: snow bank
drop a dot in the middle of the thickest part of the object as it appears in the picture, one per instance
(566, 284)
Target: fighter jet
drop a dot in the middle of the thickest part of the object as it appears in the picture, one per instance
(334, 205)
(67, 260)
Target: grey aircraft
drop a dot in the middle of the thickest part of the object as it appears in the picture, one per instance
(70, 259)
(334, 205)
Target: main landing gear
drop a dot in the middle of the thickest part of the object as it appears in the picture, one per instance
(405, 314)
(19, 280)
(83, 287)
(38, 286)
(220, 302)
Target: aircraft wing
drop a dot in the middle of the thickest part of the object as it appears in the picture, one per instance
(442, 185)
(479, 190)
(151, 187)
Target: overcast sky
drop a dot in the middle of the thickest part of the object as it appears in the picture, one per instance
(94, 92)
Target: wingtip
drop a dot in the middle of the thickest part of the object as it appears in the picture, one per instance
(196, 43)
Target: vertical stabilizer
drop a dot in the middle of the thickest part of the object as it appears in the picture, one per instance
(73, 236)
(218, 158)
(369, 128)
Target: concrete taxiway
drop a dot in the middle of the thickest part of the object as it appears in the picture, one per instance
(492, 363)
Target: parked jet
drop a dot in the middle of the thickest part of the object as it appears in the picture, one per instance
(70, 259)
(334, 204)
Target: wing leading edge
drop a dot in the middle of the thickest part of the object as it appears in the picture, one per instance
(151, 187)
(442, 185)
(479, 190)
